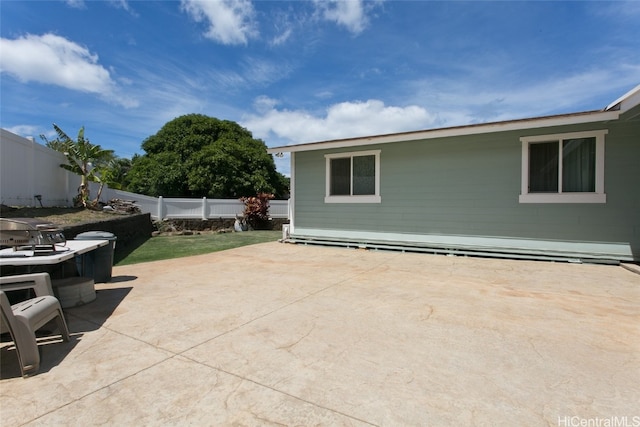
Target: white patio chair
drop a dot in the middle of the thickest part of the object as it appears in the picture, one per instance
(23, 319)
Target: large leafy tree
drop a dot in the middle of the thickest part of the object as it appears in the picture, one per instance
(200, 156)
(89, 161)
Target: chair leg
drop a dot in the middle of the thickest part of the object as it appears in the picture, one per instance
(26, 349)
(62, 326)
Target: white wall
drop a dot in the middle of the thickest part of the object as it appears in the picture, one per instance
(28, 169)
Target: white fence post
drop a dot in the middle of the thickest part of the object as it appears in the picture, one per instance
(204, 208)
(160, 208)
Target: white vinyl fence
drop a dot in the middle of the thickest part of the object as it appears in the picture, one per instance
(182, 208)
(29, 169)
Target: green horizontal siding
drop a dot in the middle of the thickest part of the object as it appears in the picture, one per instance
(470, 186)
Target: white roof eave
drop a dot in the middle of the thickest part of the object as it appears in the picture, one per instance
(566, 119)
(626, 101)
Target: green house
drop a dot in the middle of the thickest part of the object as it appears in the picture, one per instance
(555, 187)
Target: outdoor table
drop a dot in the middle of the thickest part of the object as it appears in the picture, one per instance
(28, 258)
(71, 291)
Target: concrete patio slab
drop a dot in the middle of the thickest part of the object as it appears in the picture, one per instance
(280, 334)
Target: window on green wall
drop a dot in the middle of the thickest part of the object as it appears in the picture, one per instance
(353, 177)
(340, 177)
(563, 168)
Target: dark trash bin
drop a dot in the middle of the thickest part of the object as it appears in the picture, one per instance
(98, 263)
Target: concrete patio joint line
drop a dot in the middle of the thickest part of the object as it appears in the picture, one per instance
(122, 334)
(282, 392)
(111, 384)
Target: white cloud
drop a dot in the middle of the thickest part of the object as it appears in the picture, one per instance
(124, 5)
(76, 4)
(282, 38)
(468, 101)
(264, 104)
(343, 120)
(25, 131)
(617, 11)
(324, 94)
(261, 71)
(52, 59)
(437, 103)
(564, 93)
(249, 72)
(229, 21)
(349, 13)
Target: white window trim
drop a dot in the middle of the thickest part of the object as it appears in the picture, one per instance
(373, 198)
(598, 196)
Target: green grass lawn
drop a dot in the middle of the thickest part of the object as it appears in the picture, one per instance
(167, 247)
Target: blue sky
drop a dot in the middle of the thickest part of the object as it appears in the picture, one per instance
(305, 71)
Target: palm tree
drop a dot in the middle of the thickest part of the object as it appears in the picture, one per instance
(85, 159)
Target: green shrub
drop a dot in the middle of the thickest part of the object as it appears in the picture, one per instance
(256, 210)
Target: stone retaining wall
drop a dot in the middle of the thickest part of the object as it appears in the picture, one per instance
(178, 225)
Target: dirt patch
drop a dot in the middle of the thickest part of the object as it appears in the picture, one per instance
(57, 215)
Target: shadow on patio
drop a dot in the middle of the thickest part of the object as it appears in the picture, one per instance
(51, 347)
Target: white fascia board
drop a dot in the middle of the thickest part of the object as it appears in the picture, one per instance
(626, 101)
(570, 119)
